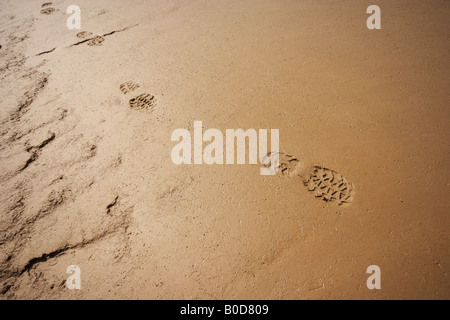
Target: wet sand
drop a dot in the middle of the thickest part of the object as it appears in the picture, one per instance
(87, 180)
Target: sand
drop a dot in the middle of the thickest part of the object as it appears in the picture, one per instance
(88, 180)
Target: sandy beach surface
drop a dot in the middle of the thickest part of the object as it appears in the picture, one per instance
(88, 180)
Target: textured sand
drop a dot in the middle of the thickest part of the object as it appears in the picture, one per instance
(86, 180)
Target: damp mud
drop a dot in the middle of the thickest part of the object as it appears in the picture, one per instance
(87, 179)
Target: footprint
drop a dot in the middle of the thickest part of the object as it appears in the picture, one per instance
(326, 184)
(97, 41)
(47, 11)
(329, 185)
(143, 102)
(286, 164)
(128, 87)
(84, 34)
(47, 4)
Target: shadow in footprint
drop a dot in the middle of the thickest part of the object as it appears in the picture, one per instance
(95, 42)
(143, 102)
(84, 34)
(128, 87)
(47, 11)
